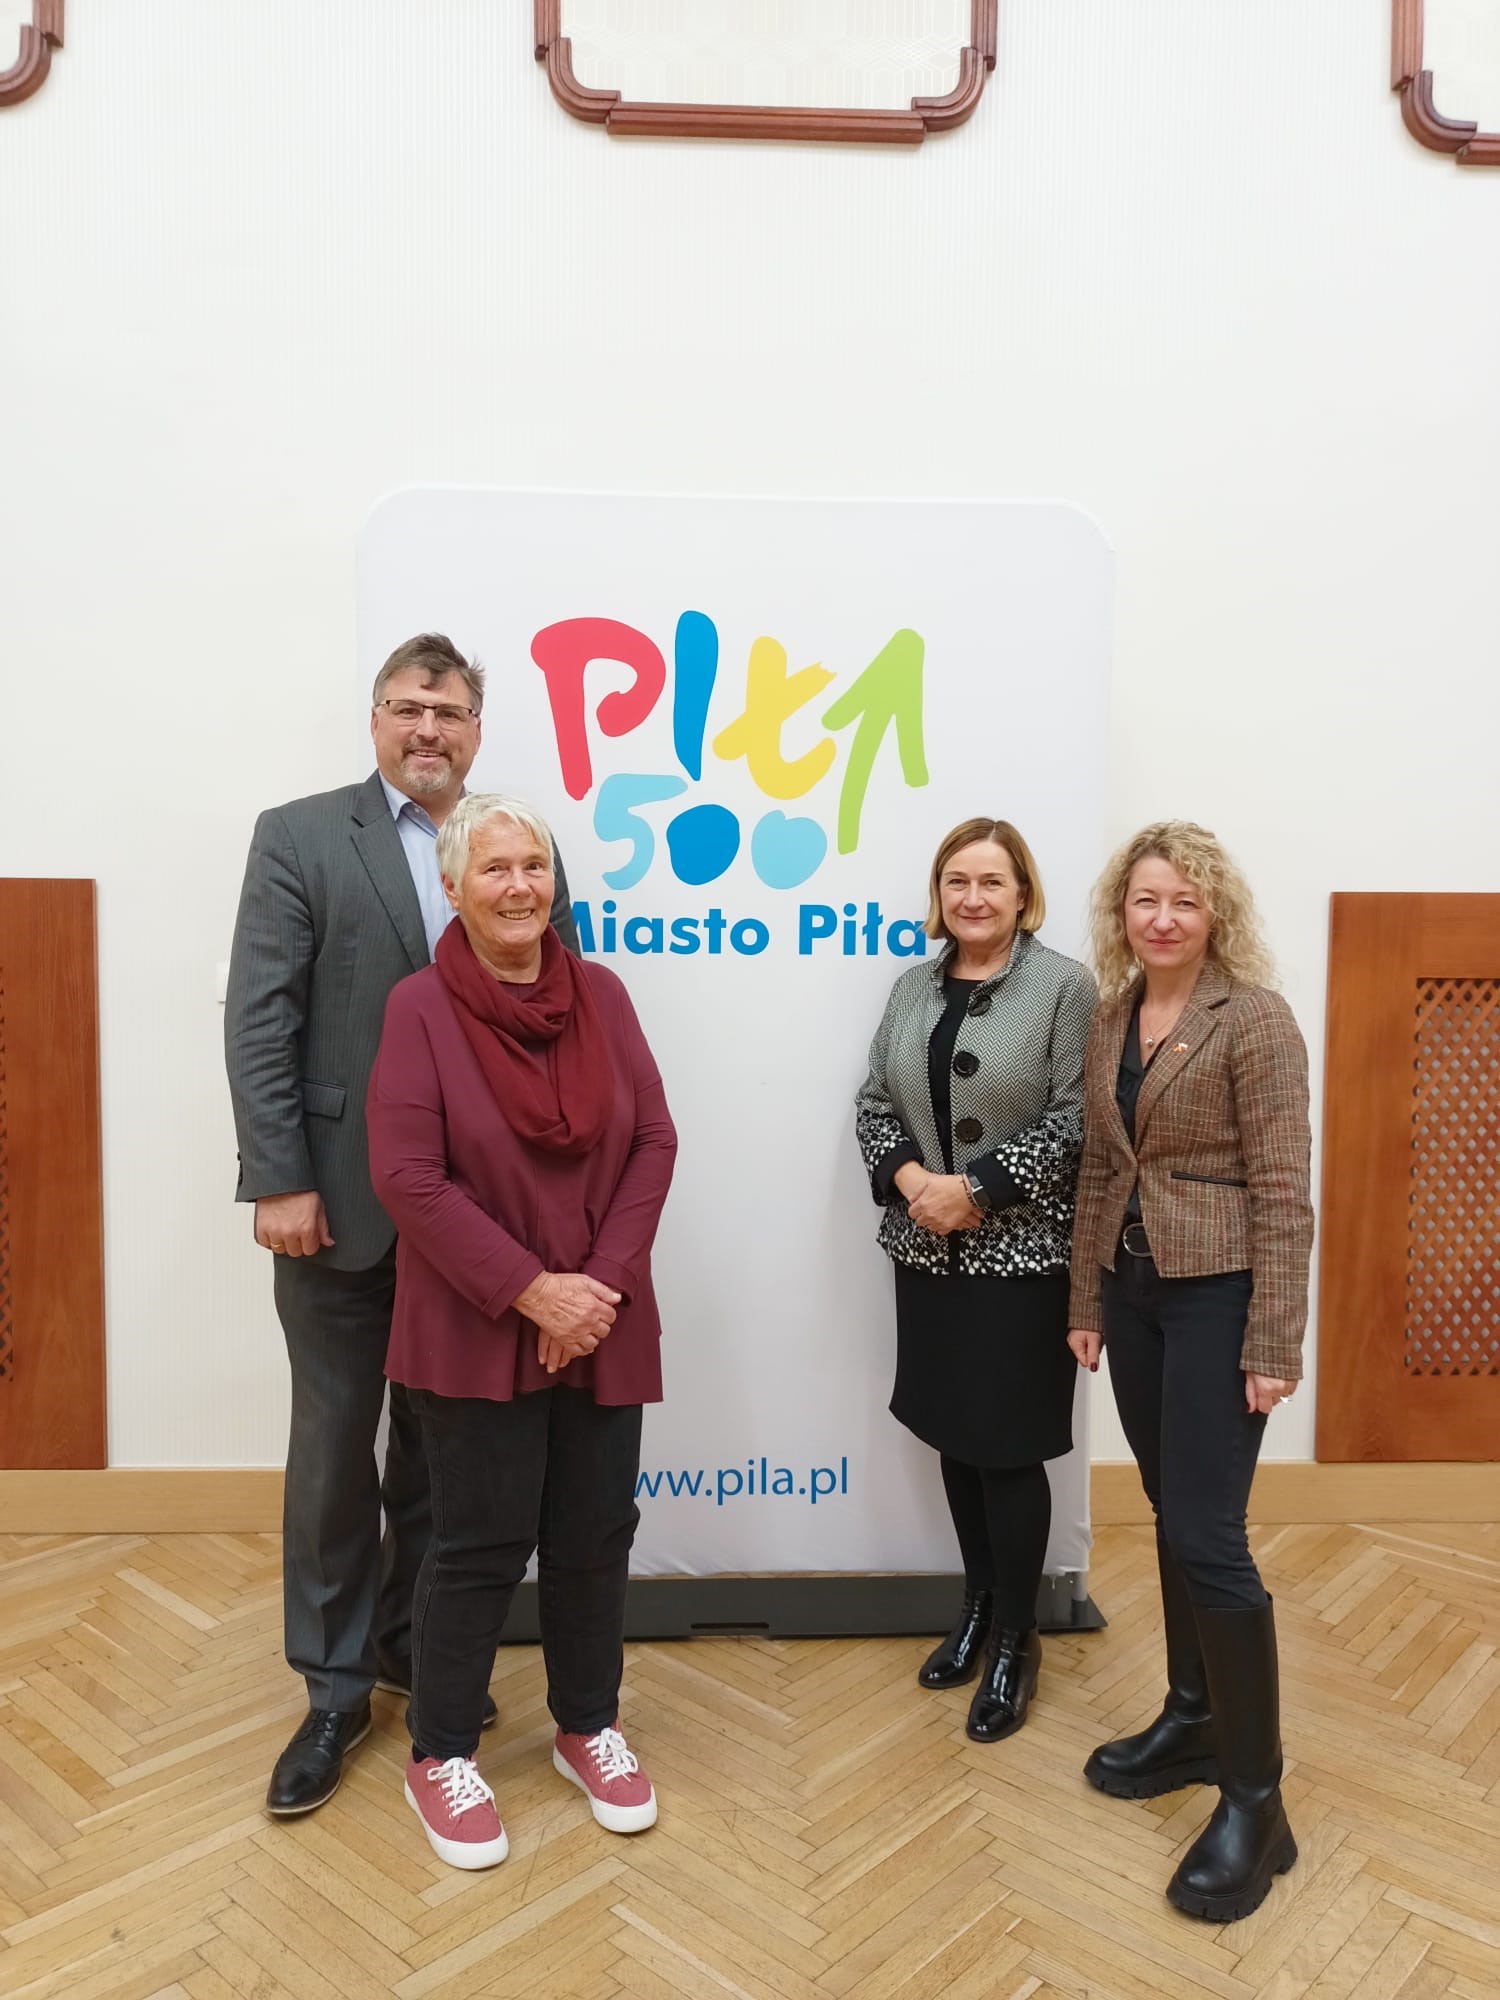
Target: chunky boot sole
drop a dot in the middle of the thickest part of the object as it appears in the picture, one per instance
(1229, 1909)
(1151, 1784)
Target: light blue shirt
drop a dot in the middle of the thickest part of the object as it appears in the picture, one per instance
(418, 837)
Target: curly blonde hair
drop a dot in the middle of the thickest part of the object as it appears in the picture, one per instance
(1234, 939)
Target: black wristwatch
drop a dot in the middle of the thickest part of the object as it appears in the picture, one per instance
(979, 1194)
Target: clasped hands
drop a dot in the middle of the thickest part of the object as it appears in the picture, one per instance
(572, 1314)
(939, 1203)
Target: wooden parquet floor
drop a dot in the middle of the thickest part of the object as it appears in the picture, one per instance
(827, 1832)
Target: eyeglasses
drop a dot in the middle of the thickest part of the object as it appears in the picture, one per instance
(446, 714)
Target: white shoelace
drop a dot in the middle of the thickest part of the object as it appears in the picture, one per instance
(613, 1755)
(462, 1785)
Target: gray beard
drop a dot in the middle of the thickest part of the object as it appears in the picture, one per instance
(426, 782)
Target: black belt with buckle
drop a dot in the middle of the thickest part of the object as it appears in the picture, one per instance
(1137, 1229)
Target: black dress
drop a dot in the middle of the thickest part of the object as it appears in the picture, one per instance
(983, 1369)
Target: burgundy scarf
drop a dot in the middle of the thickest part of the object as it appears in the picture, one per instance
(541, 1047)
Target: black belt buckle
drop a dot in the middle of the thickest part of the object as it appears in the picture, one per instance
(1139, 1228)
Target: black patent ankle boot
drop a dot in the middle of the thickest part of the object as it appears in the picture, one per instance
(957, 1659)
(1007, 1684)
(1228, 1870)
(1178, 1747)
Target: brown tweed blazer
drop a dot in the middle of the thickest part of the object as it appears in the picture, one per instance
(1222, 1154)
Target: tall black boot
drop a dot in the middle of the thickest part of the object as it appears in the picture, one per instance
(956, 1660)
(1011, 1666)
(1227, 1871)
(1178, 1748)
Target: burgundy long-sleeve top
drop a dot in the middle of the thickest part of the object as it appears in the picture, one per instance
(481, 1212)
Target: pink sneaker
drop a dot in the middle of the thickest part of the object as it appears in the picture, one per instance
(457, 1811)
(619, 1792)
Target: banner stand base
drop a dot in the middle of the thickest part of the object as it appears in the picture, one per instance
(808, 1607)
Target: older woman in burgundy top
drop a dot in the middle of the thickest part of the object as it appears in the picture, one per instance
(520, 1139)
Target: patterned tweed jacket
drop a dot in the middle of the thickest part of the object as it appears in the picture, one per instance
(1221, 1153)
(1016, 1111)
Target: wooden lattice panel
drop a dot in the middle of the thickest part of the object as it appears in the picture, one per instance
(1408, 1350)
(1453, 1251)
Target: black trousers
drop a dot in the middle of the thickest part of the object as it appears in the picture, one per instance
(1174, 1364)
(347, 1586)
(553, 1472)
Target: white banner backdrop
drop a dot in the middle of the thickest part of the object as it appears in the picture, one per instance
(749, 723)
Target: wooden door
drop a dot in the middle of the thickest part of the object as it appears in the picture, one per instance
(51, 1200)
(1409, 1266)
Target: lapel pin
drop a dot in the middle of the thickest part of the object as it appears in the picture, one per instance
(1179, 1048)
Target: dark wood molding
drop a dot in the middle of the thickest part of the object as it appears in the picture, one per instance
(52, 1360)
(843, 126)
(1427, 125)
(32, 67)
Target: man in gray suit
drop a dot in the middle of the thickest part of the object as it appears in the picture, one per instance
(342, 898)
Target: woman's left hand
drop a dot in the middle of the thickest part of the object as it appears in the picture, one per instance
(1086, 1344)
(1264, 1392)
(942, 1205)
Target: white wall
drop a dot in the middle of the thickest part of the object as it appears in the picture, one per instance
(259, 266)
(882, 53)
(1461, 46)
(12, 14)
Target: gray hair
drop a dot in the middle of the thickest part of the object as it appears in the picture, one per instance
(477, 809)
(434, 656)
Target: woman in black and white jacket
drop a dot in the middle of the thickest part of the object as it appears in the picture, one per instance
(971, 1124)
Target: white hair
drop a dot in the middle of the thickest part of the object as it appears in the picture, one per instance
(476, 809)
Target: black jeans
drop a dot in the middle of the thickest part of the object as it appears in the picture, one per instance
(1174, 1364)
(553, 1471)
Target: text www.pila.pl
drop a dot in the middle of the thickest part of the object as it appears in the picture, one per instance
(754, 1479)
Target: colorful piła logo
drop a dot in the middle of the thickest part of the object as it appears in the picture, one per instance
(702, 836)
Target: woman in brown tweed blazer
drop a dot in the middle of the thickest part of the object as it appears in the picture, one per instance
(1190, 1259)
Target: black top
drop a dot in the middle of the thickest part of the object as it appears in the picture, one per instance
(1132, 1074)
(940, 1058)
(940, 1069)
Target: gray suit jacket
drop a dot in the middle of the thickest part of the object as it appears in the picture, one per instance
(328, 922)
